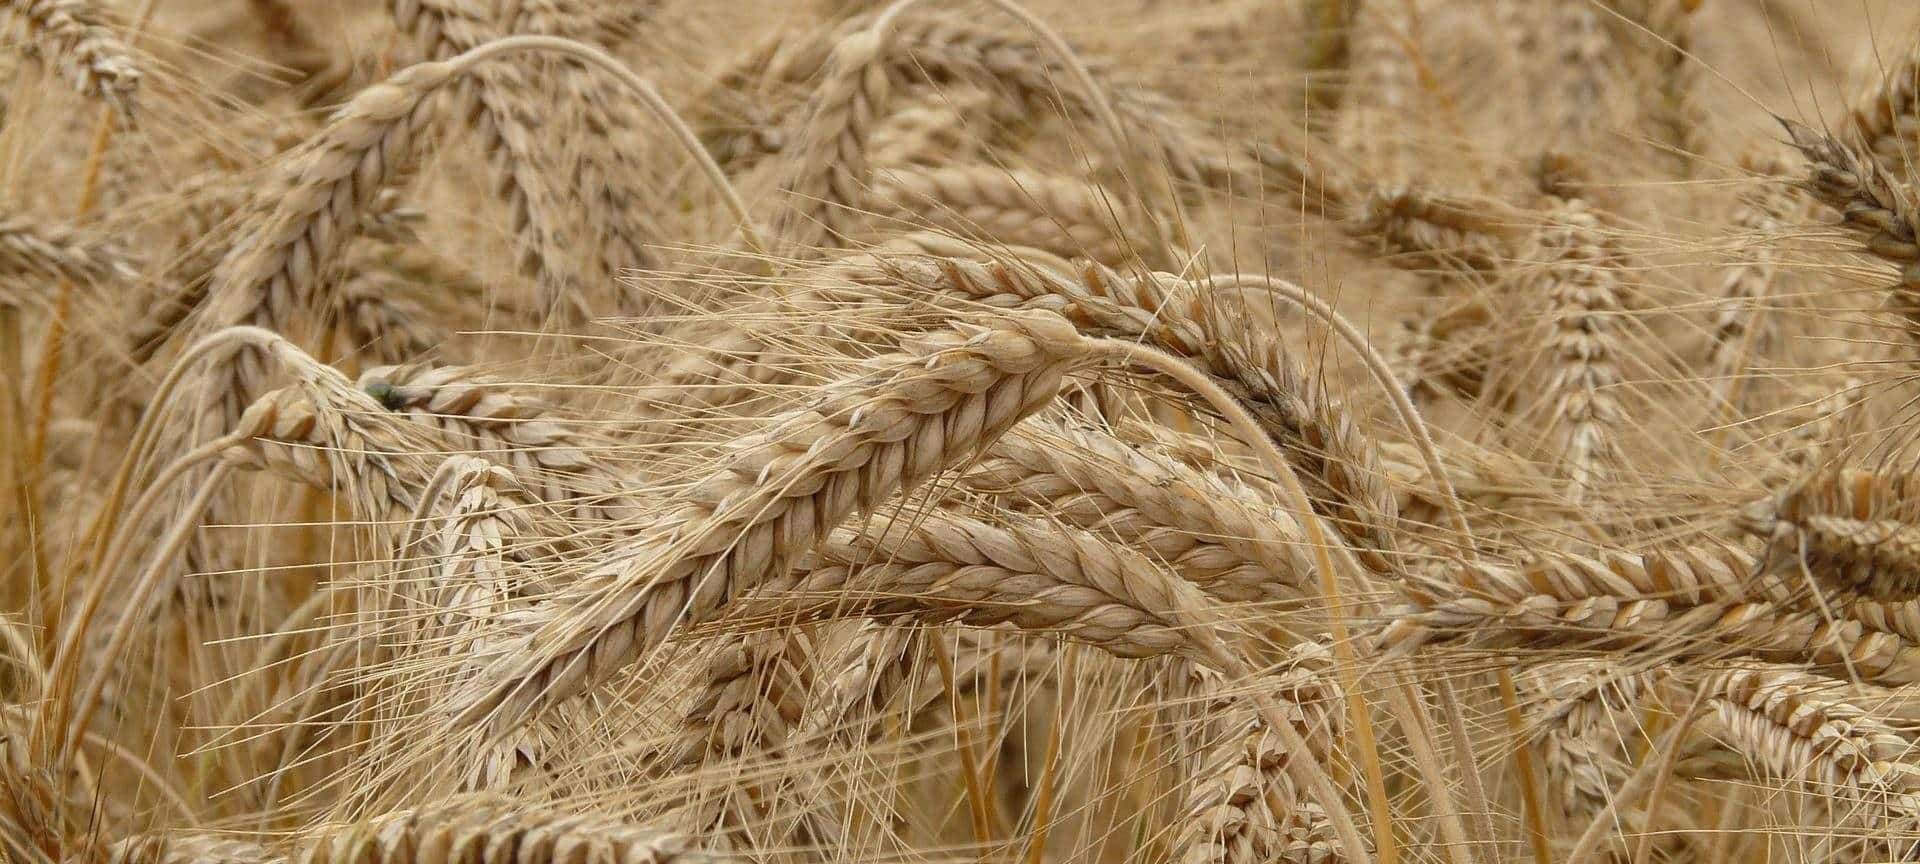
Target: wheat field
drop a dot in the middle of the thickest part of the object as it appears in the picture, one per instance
(1019, 431)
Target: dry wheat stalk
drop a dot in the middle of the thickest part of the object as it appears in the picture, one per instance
(1058, 214)
(76, 37)
(1200, 526)
(1580, 283)
(777, 493)
(489, 830)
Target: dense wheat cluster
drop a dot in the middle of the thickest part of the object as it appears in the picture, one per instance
(1210, 432)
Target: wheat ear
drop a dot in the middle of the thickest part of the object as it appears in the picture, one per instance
(829, 170)
(778, 493)
(1243, 808)
(1874, 208)
(1682, 602)
(1195, 523)
(36, 247)
(1165, 310)
(1058, 214)
(483, 829)
(1039, 577)
(1579, 279)
(1853, 529)
(74, 35)
(472, 411)
(1584, 728)
(1796, 727)
(1741, 325)
(1886, 117)
(1420, 229)
(190, 848)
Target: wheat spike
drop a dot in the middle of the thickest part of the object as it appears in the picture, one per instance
(1057, 214)
(1580, 284)
(777, 494)
(491, 830)
(1853, 529)
(1197, 524)
(76, 37)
